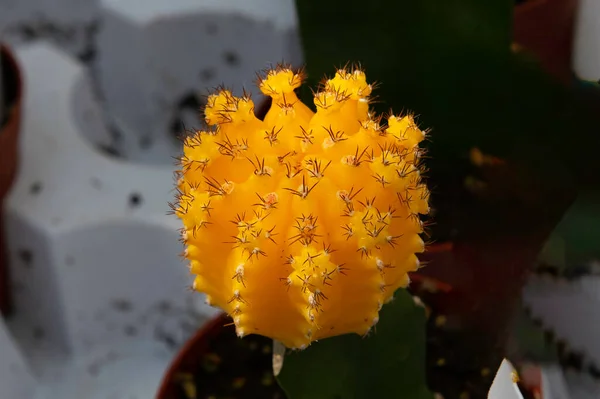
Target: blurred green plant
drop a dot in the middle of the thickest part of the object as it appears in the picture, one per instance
(451, 61)
(575, 240)
(531, 342)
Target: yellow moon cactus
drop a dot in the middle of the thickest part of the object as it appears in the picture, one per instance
(303, 225)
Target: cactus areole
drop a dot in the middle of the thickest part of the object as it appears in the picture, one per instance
(302, 226)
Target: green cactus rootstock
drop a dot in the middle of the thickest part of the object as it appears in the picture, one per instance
(389, 363)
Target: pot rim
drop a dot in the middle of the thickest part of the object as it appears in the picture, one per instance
(8, 54)
(529, 5)
(9, 131)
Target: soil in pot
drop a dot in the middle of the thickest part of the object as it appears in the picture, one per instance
(229, 368)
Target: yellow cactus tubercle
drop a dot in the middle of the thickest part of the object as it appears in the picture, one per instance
(302, 225)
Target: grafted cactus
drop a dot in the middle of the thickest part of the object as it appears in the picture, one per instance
(303, 225)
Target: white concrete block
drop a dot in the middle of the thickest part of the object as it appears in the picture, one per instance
(71, 24)
(581, 385)
(16, 380)
(554, 385)
(157, 59)
(100, 292)
(569, 308)
(586, 46)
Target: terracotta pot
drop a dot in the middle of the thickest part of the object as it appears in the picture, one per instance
(9, 133)
(190, 356)
(533, 22)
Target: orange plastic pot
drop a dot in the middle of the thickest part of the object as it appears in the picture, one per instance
(9, 157)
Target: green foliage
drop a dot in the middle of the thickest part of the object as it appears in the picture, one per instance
(531, 341)
(575, 240)
(390, 362)
(450, 62)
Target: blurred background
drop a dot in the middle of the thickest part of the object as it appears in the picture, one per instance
(95, 93)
